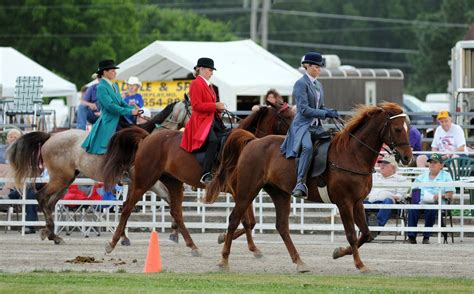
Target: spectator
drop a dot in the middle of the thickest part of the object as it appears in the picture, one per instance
(89, 109)
(132, 97)
(429, 195)
(448, 138)
(30, 209)
(386, 195)
(271, 98)
(12, 136)
(112, 107)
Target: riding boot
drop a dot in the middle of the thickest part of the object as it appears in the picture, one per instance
(209, 157)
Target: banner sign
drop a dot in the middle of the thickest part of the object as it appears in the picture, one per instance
(158, 94)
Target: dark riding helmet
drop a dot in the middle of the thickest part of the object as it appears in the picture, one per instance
(314, 58)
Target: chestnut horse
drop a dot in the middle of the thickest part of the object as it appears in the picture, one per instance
(159, 157)
(65, 159)
(351, 158)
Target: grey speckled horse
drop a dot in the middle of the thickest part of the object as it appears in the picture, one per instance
(62, 155)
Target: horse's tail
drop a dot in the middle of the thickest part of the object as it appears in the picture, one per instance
(121, 153)
(233, 146)
(24, 157)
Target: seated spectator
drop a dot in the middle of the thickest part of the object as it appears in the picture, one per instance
(415, 140)
(132, 97)
(386, 195)
(12, 136)
(89, 109)
(448, 138)
(30, 209)
(429, 195)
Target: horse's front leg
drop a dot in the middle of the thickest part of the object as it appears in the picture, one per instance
(347, 215)
(248, 221)
(176, 196)
(282, 207)
(133, 197)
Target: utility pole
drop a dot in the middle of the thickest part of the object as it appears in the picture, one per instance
(266, 8)
(253, 20)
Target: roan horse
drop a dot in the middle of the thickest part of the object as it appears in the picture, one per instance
(159, 157)
(351, 158)
(65, 159)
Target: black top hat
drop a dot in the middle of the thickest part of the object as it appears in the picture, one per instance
(205, 62)
(106, 64)
(314, 58)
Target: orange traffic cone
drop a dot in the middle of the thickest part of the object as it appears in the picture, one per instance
(153, 258)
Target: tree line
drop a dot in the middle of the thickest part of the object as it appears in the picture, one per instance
(71, 36)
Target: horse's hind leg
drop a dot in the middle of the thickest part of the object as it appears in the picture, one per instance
(47, 197)
(348, 212)
(282, 203)
(175, 190)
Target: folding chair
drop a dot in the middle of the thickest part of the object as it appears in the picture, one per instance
(27, 101)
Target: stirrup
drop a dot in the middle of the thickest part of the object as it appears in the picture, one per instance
(206, 178)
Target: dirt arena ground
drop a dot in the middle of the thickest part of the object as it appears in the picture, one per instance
(29, 253)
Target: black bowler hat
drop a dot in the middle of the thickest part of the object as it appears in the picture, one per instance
(314, 58)
(205, 62)
(106, 64)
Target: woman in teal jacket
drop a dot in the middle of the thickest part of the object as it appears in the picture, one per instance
(112, 107)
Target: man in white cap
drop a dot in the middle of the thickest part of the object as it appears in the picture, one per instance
(386, 195)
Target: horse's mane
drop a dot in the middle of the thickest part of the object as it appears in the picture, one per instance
(250, 122)
(158, 118)
(362, 114)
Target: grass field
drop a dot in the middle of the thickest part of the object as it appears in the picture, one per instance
(122, 282)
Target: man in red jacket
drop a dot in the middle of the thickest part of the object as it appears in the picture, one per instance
(205, 123)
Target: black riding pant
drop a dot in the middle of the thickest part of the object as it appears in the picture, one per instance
(212, 145)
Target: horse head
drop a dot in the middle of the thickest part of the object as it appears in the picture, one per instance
(373, 126)
(181, 113)
(395, 132)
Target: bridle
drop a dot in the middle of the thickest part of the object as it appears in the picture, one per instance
(392, 145)
(179, 121)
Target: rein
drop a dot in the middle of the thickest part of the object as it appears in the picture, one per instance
(392, 144)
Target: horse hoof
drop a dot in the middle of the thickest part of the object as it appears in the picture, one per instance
(44, 234)
(364, 270)
(223, 266)
(125, 242)
(108, 247)
(221, 238)
(174, 238)
(196, 253)
(337, 253)
(302, 268)
(59, 241)
(257, 253)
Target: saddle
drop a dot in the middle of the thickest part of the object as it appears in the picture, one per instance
(201, 152)
(321, 140)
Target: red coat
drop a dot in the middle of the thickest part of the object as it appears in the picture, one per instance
(203, 103)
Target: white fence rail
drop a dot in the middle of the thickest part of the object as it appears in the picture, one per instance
(92, 218)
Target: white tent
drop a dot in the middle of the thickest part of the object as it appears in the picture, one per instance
(14, 64)
(243, 67)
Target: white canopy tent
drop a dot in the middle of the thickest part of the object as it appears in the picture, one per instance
(14, 64)
(243, 67)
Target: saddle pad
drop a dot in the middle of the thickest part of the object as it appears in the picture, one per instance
(320, 159)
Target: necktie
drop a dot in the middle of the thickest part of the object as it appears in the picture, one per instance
(316, 85)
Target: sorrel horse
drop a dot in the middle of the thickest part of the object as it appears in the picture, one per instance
(351, 159)
(65, 159)
(159, 157)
